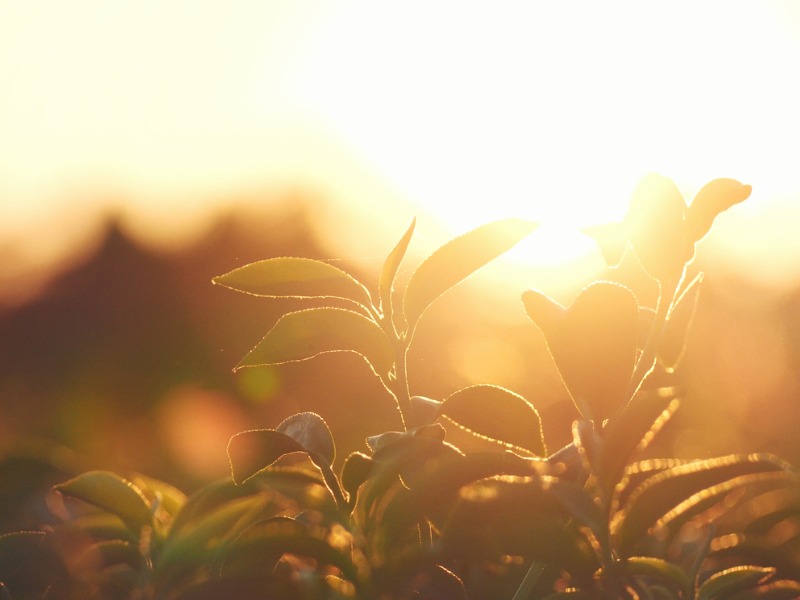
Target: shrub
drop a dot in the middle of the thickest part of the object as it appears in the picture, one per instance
(417, 517)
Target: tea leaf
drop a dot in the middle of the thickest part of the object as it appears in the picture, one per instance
(594, 348)
(170, 498)
(253, 450)
(390, 266)
(290, 277)
(356, 470)
(111, 493)
(724, 583)
(458, 259)
(280, 535)
(713, 198)
(545, 312)
(662, 492)
(308, 333)
(498, 414)
(312, 432)
(649, 566)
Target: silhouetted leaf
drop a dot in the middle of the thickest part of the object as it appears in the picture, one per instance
(663, 492)
(294, 278)
(594, 348)
(253, 450)
(312, 432)
(307, 333)
(390, 266)
(458, 259)
(724, 583)
(713, 198)
(425, 409)
(356, 470)
(111, 493)
(498, 414)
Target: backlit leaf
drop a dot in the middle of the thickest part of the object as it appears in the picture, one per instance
(312, 432)
(724, 583)
(673, 342)
(308, 333)
(660, 569)
(498, 414)
(594, 348)
(545, 312)
(111, 493)
(253, 450)
(390, 266)
(662, 492)
(294, 278)
(458, 259)
(713, 198)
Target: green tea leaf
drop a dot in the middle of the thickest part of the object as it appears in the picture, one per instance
(356, 470)
(308, 333)
(390, 266)
(289, 277)
(458, 259)
(498, 414)
(724, 583)
(713, 198)
(111, 493)
(660, 569)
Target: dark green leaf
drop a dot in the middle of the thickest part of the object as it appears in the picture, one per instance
(458, 259)
(111, 493)
(390, 267)
(713, 198)
(307, 333)
(294, 278)
(657, 568)
(724, 583)
(498, 414)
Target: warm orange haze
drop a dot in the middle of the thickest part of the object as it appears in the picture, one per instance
(321, 128)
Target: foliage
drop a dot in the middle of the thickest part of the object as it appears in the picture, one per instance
(417, 517)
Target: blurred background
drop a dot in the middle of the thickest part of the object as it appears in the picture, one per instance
(146, 147)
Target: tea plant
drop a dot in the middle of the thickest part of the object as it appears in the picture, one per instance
(414, 516)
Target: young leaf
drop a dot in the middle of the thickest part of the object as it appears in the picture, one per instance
(594, 348)
(294, 278)
(253, 450)
(307, 333)
(356, 470)
(390, 267)
(312, 432)
(713, 198)
(111, 493)
(498, 414)
(724, 583)
(660, 569)
(458, 259)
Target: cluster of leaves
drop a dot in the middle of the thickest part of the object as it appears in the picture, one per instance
(416, 517)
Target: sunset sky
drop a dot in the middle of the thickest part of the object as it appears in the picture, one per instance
(461, 112)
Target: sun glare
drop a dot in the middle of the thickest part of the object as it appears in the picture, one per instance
(541, 111)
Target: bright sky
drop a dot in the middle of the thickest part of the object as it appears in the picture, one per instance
(548, 110)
